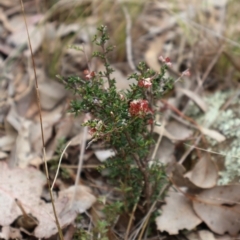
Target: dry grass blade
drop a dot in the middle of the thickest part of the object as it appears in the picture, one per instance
(128, 38)
(145, 221)
(130, 222)
(41, 124)
(59, 164)
(209, 151)
(80, 163)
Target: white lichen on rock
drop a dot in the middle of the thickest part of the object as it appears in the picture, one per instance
(232, 164)
(226, 122)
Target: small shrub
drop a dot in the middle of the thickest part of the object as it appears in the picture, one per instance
(124, 121)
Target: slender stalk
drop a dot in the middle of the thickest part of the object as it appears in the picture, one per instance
(80, 162)
(107, 74)
(145, 223)
(59, 164)
(41, 124)
(130, 222)
(144, 171)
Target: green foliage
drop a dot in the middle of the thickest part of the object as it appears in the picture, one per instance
(103, 226)
(158, 180)
(124, 121)
(111, 212)
(101, 230)
(80, 233)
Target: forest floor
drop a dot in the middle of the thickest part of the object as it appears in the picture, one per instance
(198, 140)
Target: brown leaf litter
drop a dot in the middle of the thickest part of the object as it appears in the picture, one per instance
(196, 197)
(200, 201)
(26, 186)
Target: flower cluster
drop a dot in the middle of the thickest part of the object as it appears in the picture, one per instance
(96, 125)
(166, 60)
(186, 73)
(92, 131)
(88, 74)
(145, 82)
(139, 108)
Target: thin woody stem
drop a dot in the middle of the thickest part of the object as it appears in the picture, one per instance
(106, 65)
(143, 168)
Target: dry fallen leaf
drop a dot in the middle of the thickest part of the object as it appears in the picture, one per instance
(47, 224)
(227, 237)
(165, 151)
(5, 22)
(153, 52)
(49, 120)
(176, 172)
(219, 208)
(26, 185)
(64, 30)
(63, 130)
(204, 174)
(177, 214)
(204, 234)
(178, 130)
(212, 134)
(3, 155)
(8, 232)
(4, 232)
(19, 38)
(67, 209)
(13, 117)
(23, 146)
(195, 97)
(49, 98)
(23, 184)
(6, 3)
(83, 198)
(6, 142)
(18, 22)
(217, 3)
(161, 130)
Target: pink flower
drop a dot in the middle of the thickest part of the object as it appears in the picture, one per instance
(145, 83)
(88, 74)
(186, 73)
(139, 108)
(91, 131)
(166, 60)
(150, 121)
(96, 126)
(121, 96)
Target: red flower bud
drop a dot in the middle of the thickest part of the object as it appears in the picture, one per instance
(88, 74)
(139, 108)
(145, 83)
